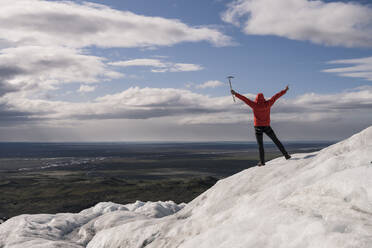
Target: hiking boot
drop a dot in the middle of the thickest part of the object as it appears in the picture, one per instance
(287, 156)
(260, 164)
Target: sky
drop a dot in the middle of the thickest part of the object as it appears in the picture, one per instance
(140, 70)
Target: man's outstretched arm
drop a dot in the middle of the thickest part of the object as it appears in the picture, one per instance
(243, 98)
(278, 95)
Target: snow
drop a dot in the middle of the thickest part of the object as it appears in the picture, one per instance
(320, 199)
(76, 230)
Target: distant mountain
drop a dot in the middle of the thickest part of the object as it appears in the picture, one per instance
(320, 199)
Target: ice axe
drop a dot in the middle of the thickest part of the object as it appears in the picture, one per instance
(230, 77)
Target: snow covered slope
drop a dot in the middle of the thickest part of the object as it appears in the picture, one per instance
(321, 199)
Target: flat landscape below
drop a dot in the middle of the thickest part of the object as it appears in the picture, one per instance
(52, 178)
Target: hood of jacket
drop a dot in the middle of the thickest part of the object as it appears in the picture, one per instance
(260, 98)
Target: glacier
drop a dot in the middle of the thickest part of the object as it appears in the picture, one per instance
(319, 199)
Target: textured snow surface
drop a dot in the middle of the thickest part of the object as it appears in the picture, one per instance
(76, 230)
(321, 199)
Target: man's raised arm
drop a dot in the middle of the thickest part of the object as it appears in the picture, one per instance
(243, 98)
(278, 95)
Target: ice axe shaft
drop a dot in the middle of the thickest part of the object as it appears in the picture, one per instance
(230, 77)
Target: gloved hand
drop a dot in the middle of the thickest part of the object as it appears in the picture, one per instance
(233, 92)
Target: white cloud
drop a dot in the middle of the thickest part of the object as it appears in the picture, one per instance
(331, 23)
(175, 110)
(71, 24)
(361, 68)
(147, 103)
(185, 67)
(210, 84)
(86, 88)
(133, 103)
(139, 62)
(189, 85)
(49, 67)
(159, 65)
(44, 44)
(307, 108)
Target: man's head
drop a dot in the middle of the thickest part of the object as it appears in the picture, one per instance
(260, 98)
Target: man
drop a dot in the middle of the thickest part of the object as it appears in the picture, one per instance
(261, 111)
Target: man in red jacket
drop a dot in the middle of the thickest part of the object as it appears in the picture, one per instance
(261, 111)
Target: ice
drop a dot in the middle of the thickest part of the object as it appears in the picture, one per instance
(76, 230)
(319, 199)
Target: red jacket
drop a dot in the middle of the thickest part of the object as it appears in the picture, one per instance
(261, 107)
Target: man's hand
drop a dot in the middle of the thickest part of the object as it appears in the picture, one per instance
(286, 88)
(233, 92)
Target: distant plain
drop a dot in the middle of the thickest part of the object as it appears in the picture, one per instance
(69, 177)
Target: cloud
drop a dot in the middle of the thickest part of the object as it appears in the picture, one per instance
(361, 68)
(185, 67)
(49, 67)
(193, 108)
(86, 88)
(307, 108)
(133, 103)
(205, 85)
(6, 88)
(145, 103)
(60, 34)
(8, 72)
(139, 62)
(147, 111)
(209, 84)
(346, 24)
(66, 23)
(46, 44)
(159, 65)
(11, 116)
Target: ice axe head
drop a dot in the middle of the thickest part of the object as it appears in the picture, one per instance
(230, 77)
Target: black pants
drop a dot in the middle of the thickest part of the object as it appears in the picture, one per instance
(269, 132)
